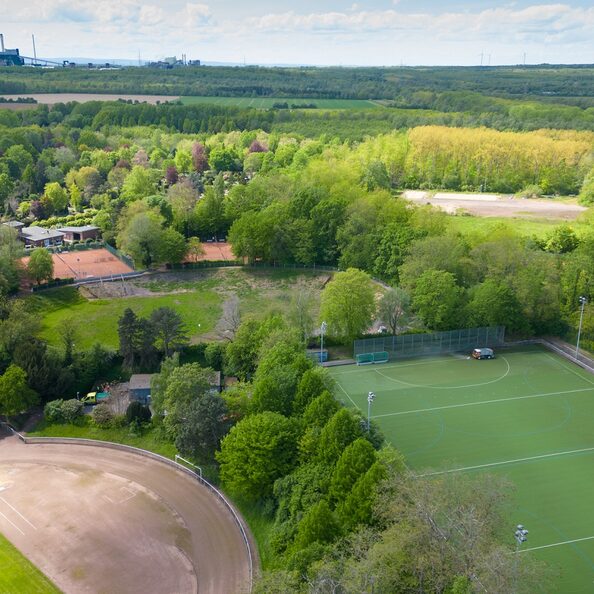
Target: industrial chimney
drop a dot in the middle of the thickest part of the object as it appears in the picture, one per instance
(1, 43)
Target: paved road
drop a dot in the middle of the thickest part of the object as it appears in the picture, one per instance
(100, 520)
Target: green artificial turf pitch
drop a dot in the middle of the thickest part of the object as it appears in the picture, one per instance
(528, 415)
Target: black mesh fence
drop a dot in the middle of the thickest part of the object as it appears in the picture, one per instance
(413, 345)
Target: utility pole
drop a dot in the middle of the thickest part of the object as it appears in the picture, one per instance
(34, 50)
(370, 399)
(323, 328)
(583, 302)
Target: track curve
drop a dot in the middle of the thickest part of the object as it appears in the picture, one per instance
(103, 520)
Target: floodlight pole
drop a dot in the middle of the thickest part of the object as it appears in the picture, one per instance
(583, 302)
(370, 398)
(323, 328)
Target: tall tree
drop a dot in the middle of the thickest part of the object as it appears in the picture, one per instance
(40, 266)
(202, 427)
(15, 394)
(437, 299)
(394, 309)
(348, 304)
(258, 450)
(169, 330)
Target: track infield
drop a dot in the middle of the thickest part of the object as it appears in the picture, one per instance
(527, 415)
(100, 520)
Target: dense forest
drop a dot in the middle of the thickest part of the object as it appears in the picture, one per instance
(303, 188)
(331, 83)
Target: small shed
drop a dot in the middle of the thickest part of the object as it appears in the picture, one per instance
(140, 387)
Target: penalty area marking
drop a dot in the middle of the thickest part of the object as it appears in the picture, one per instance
(491, 464)
(347, 395)
(448, 387)
(556, 544)
(496, 400)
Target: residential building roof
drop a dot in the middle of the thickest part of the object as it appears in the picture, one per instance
(14, 224)
(39, 233)
(140, 381)
(81, 229)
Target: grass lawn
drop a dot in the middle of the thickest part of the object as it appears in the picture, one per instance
(98, 318)
(268, 102)
(485, 226)
(526, 415)
(147, 441)
(17, 574)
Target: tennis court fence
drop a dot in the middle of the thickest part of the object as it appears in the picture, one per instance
(435, 343)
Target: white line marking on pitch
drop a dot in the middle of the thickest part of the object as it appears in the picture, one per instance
(418, 410)
(399, 366)
(556, 544)
(16, 511)
(506, 462)
(569, 369)
(447, 387)
(1, 514)
(347, 395)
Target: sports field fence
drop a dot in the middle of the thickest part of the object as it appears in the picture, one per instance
(435, 343)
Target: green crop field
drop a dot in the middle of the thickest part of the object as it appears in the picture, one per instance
(268, 102)
(17, 574)
(527, 415)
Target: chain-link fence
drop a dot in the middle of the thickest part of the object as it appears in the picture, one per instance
(412, 345)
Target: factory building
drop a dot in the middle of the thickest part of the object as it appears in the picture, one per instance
(9, 57)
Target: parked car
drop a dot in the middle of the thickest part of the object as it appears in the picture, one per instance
(483, 353)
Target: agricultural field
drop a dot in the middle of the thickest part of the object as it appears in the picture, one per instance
(525, 415)
(19, 575)
(200, 297)
(268, 102)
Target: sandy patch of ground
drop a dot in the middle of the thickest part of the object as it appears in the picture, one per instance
(51, 98)
(496, 205)
(100, 520)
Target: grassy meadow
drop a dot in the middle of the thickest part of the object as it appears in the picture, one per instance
(269, 102)
(200, 297)
(17, 574)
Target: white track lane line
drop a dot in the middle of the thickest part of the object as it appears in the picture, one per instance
(13, 524)
(556, 544)
(491, 464)
(16, 511)
(496, 400)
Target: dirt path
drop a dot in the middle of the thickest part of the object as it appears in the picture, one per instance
(100, 520)
(496, 205)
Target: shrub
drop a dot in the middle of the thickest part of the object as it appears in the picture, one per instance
(71, 410)
(213, 355)
(53, 411)
(102, 415)
(137, 412)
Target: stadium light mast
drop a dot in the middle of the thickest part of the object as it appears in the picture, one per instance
(583, 302)
(521, 536)
(323, 329)
(370, 399)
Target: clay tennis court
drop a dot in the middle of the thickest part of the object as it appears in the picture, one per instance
(214, 252)
(102, 520)
(86, 264)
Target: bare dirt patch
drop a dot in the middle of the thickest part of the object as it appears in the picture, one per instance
(496, 205)
(51, 98)
(100, 520)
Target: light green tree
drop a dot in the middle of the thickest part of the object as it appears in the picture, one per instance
(15, 394)
(258, 450)
(437, 299)
(40, 266)
(348, 304)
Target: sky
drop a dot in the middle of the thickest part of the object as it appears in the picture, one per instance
(317, 32)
